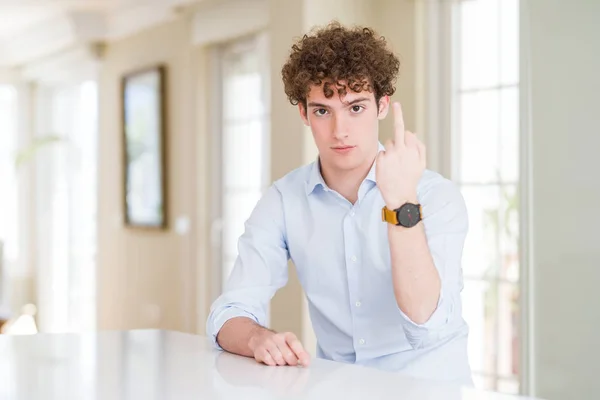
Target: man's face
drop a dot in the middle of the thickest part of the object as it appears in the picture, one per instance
(346, 130)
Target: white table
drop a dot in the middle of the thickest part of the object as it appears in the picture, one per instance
(160, 365)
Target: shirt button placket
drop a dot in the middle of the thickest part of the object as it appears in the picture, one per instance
(353, 268)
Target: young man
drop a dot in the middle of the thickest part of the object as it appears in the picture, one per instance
(375, 237)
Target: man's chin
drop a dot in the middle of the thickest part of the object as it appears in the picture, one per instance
(346, 164)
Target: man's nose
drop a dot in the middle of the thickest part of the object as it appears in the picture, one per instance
(340, 130)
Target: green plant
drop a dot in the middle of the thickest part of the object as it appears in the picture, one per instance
(29, 152)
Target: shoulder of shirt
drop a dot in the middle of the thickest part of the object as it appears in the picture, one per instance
(434, 183)
(294, 180)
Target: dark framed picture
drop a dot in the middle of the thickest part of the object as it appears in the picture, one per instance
(144, 122)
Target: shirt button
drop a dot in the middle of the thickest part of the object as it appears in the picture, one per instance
(353, 258)
(358, 304)
(361, 341)
(352, 213)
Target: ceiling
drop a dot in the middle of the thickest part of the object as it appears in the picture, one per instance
(17, 16)
(32, 29)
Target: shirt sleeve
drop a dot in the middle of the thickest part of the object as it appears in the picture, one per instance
(445, 221)
(260, 268)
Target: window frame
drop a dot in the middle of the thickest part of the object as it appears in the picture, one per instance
(257, 41)
(11, 268)
(436, 40)
(24, 266)
(45, 102)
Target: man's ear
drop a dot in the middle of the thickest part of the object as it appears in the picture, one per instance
(303, 114)
(383, 107)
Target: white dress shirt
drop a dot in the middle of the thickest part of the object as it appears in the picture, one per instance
(342, 257)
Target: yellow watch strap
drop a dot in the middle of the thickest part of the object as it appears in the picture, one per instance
(388, 215)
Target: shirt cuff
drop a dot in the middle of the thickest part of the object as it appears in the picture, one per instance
(224, 316)
(419, 335)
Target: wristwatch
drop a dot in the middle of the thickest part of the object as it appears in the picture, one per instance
(408, 215)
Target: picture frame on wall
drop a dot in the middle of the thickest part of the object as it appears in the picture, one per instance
(144, 144)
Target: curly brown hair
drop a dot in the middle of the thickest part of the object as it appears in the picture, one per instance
(336, 55)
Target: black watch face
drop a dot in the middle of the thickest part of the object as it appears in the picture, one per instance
(409, 215)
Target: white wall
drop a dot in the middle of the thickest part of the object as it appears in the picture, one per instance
(564, 60)
(146, 278)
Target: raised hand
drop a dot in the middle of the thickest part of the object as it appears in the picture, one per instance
(400, 166)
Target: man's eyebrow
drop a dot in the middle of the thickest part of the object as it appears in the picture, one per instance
(313, 104)
(357, 100)
(349, 103)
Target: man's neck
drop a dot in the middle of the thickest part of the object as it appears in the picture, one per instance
(346, 182)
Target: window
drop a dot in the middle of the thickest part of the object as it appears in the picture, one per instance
(485, 163)
(9, 227)
(243, 144)
(66, 207)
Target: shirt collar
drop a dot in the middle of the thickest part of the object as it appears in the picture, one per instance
(316, 179)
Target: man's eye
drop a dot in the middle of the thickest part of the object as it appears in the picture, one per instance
(320, 111)
(357, 109)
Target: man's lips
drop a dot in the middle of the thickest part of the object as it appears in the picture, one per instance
(343, 149)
